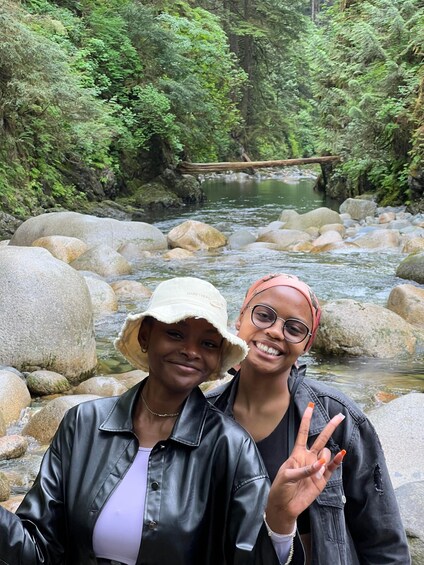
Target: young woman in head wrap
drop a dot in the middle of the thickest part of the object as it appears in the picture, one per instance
(356, 518)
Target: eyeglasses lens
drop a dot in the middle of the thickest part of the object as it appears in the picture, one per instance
(264, 317)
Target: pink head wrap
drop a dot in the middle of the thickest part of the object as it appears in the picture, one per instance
(280, 279)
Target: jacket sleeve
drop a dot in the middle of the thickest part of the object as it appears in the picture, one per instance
(372, 512)
(36, 533)
(248, 540)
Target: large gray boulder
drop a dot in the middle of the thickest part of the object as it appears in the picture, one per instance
(358, 208)
(349, 327)
(400, 427)
(411, 505)
(46, 318)
(90, 229)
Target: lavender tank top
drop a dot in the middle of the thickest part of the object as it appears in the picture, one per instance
(117, 532)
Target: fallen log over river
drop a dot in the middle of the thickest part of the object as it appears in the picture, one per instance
(186, 167)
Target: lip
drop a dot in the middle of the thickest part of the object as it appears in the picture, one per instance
(185, 367)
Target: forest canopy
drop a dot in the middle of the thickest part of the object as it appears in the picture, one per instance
(98, 94)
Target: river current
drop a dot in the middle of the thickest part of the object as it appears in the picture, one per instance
(234, 205)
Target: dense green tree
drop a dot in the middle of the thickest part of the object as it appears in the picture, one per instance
(368, 70)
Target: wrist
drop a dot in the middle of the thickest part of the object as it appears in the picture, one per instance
(289, 531)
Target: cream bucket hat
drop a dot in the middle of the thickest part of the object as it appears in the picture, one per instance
(175, 300)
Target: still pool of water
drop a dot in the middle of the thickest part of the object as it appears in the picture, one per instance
(233, 205)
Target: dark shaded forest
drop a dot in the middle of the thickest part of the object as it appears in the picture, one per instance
(99, 97)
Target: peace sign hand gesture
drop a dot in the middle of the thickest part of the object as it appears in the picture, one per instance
(303, 476)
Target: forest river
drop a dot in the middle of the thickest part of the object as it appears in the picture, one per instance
(252, 204)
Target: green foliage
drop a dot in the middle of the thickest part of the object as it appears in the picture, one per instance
(367, 73)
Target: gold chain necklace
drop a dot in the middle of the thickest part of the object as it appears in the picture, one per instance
(156, 413)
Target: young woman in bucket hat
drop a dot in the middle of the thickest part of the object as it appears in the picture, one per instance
(356, 518)
(159, 475)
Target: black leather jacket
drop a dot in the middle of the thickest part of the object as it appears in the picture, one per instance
(356, 518)
(205, 493)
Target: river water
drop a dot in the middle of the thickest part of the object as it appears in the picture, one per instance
(252, 204)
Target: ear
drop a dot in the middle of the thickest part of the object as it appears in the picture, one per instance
(238, 322)
(144, 333)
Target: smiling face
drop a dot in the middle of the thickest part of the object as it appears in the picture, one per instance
(181, 355)
(269, 351)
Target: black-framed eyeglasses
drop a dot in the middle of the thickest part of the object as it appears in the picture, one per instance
(263, 317)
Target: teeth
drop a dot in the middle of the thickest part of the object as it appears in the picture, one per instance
(266, 349)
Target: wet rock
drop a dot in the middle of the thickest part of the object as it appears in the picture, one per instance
(327, 238)
(407, 300)
(340, 228)
(104, 261)
(285, 238)
(130, 378)
(315, 218)
(378, 239)
(101, 386)
(46, 318)
(12, 503)
(14, 396)
(133, 252)
(349, 327)
(410, 498)
(44, 423)
(400, 427)
(90, 229)
(130, 290)
(193, 236)
(412, 268)
(178, 254)
(43, 383)
(357, 208)
(64, 248)
(413, 245)
(2, 425)
(241, 238)
(103, 297)
(4, 487)
(12, 447)
(8, 224)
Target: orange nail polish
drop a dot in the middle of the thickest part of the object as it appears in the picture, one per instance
(343, 452)
(311, 404)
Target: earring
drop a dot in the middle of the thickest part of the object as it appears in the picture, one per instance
(144, 349)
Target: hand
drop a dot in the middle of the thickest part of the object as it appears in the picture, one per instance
(303, 476)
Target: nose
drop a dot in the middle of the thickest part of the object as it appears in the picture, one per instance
(276, 331)
(189, 350)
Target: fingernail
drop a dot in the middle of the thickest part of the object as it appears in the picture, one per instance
(341, 416)
(319, 474)
(343, 452)
(311, 404)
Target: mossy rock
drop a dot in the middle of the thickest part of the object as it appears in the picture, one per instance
(155, 195)
(412, 268)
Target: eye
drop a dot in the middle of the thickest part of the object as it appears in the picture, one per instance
(211, 344)
(296, 328)
(263, 314)
(174, 334)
